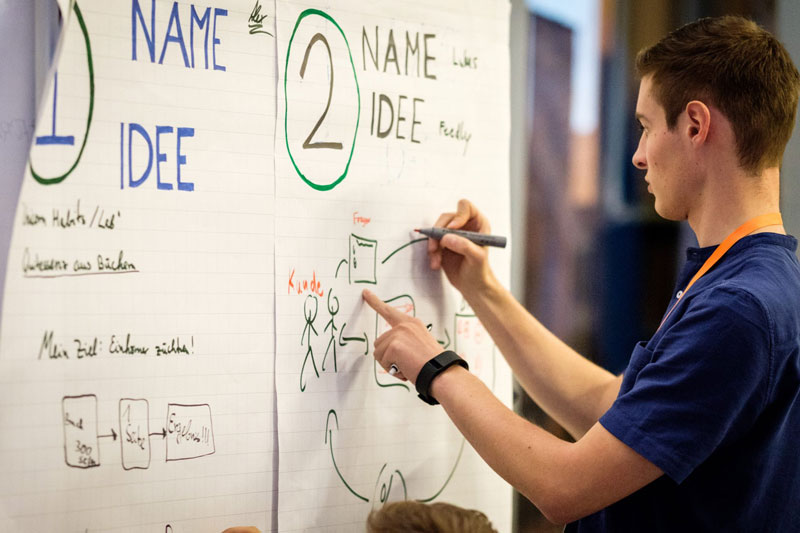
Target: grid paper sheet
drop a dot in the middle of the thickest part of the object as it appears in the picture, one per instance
(388, 113)
(137, 344)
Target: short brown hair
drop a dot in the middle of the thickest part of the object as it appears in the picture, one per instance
(739, 67)
(417, 517)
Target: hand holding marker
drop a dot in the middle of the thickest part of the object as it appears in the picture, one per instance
(480, 239)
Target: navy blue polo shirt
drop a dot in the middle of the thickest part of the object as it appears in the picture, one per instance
(713, 399)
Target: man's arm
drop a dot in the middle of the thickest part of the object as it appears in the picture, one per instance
(566, 481)
(570, 388)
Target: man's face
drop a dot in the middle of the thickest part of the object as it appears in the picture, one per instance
(663, 154)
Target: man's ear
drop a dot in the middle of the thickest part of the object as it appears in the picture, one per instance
(699, 121)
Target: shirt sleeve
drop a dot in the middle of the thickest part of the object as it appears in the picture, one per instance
(706, 381)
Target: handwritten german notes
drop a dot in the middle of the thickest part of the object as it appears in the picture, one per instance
(136, 353)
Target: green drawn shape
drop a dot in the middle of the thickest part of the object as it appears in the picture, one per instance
(358, 272)
(342, 262)
(309, 182)
(403, 246)
(377, 321)
(58, 179)
(387, 489)
(385, 385)
(445, 344)
(329, 441)
(449, 477)
(394, 299)
(343, 341)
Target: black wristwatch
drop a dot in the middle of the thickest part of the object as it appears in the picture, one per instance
(433, 368)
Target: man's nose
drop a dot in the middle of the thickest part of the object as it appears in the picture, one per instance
(639, 161)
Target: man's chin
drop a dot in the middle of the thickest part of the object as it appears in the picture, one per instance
(665, 213)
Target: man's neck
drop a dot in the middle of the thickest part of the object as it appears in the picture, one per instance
(730, 201)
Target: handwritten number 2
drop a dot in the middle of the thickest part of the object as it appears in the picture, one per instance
(307, 143)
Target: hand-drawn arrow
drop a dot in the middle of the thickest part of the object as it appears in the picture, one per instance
(329, 441)
(342, 262)
(403, 246)
(113, 435)
(449, 477)
(163, 433)
(344, 340)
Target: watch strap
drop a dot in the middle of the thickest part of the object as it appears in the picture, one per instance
(433, 368)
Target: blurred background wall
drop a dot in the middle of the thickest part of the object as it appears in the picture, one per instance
(592, 260)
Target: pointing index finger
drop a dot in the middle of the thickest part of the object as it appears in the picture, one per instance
(390, 314)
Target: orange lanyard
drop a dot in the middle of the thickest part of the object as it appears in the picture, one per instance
(744, 230)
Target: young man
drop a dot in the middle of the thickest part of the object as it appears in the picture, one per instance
(702, 428)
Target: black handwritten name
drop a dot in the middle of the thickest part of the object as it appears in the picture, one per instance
(458, 133)
(465, 61)
(256, 20)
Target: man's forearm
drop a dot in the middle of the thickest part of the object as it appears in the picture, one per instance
(570, 388)
(565, 480)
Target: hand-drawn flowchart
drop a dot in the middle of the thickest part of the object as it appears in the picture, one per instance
(188, 432)
(375, 123)
(361, 266)
(469, 338)
(335, 353)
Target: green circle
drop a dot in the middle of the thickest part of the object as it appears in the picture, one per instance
(59, 179)
(310, 183)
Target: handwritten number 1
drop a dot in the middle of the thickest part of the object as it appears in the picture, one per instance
(307, 143)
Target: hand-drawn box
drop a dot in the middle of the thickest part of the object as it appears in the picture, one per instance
(403, 303)
(79, 418)
(134, 433)
(190, 433)
(363, 256)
